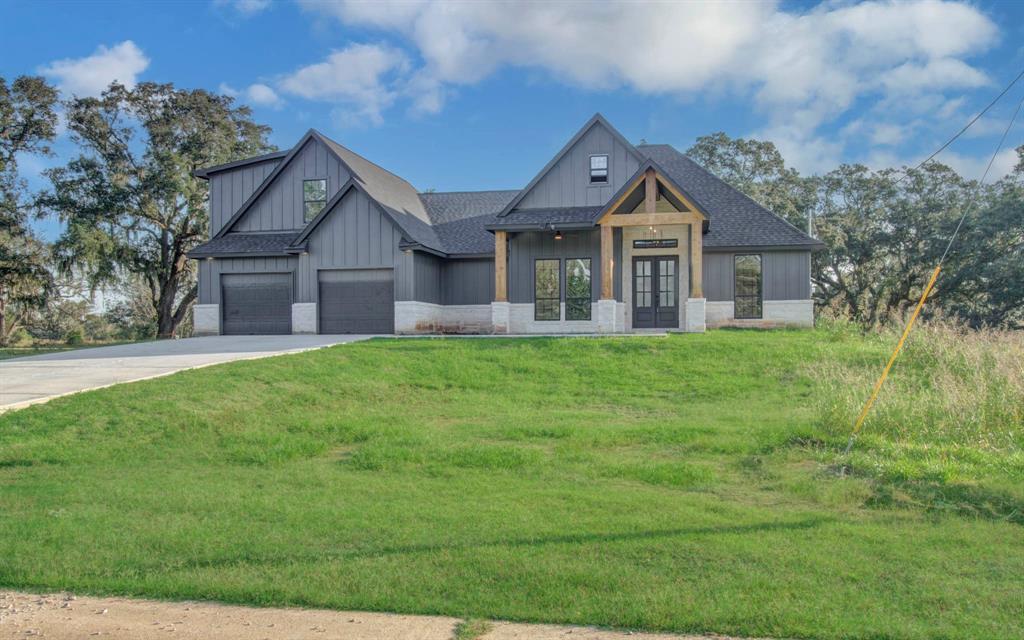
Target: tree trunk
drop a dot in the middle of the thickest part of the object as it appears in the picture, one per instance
(3, 318)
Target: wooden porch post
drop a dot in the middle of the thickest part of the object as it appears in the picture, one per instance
(650, 192)
(500, 266)
(607, 262)
(696, 259)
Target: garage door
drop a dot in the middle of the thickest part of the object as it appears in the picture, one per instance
(256, 303)
(357, 301)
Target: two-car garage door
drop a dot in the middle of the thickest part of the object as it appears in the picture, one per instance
(357, 301)
(350, 301)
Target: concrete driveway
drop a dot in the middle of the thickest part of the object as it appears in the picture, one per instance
(25, 381)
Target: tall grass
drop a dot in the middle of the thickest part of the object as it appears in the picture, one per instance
(950, 415)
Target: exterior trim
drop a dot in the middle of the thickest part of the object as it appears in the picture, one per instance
(760, 248)
(660, 174)
(539, 226)
(205, 172)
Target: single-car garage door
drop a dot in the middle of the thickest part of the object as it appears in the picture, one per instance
(357, 301)
(256, 303)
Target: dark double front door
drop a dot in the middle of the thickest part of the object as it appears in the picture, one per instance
(656, 292)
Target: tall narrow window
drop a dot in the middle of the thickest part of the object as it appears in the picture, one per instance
(577, 289)
(599, 169)
(314, 197)
(748, 286)
(547, 290)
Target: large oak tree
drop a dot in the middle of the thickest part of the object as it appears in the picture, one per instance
(28, 122)
(130, 202)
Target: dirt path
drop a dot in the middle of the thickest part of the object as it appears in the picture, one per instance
(66, 616)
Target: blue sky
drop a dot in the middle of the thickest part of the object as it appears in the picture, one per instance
(474, 95)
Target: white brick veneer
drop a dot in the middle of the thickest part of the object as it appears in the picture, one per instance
(500, 317)
(426, 317)
(798, 313)
(206, 320)
(521, 320)
(304, 317)
(695, 315)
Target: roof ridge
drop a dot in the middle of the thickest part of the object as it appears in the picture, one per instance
(434, 193)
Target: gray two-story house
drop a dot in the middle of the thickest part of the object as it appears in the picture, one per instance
(607, 238)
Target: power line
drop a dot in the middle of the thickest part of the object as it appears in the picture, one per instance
(977, 187)
(965, 128)
(938, 267)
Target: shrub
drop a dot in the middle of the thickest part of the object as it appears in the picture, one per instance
(75, 337)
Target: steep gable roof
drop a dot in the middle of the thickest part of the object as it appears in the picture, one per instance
(269, 180)
(670, 179)
(594, 121)
(394, 195)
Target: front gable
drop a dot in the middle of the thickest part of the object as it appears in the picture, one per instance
(352, 231)
(278, 205)
(565, 181)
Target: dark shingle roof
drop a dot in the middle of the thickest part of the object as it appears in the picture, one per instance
(460, 218)
(245, 243)
(736, 219)
(468, 235)
(555, 216)
(444, 207)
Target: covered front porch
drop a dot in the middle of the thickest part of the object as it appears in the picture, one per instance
(634, 265)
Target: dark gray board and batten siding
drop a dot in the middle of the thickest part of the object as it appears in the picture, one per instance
(280, 207)
(528, 247)
(786, 275)
(567, 183)
(356, 235)
(231, 188)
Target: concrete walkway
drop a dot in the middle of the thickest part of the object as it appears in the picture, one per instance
(34, 379)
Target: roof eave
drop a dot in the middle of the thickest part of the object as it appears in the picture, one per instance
(819, 246)
(204, 173)
(540, 226)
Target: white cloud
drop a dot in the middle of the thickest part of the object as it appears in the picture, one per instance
(801, 68)
(245, 7)
(361, 79)
(258, 94)
(263, 95)
(974, 166)
(91, 75)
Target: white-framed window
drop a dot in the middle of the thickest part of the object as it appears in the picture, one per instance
(599, 169)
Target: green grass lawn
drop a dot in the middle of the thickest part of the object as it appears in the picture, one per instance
(686, 483)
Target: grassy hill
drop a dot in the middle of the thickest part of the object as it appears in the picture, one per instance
(688, 483)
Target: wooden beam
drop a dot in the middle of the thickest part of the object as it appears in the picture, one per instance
(651, 219)
(607, 263)
(697, 260)
(501, 266)
(618, 203)
(651, 193)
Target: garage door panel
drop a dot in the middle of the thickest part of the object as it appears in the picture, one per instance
(256, 303)
(357, 301)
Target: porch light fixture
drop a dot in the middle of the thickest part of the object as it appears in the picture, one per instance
(558, 235)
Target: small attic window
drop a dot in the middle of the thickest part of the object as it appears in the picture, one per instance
(314, 197)
(599, 169)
